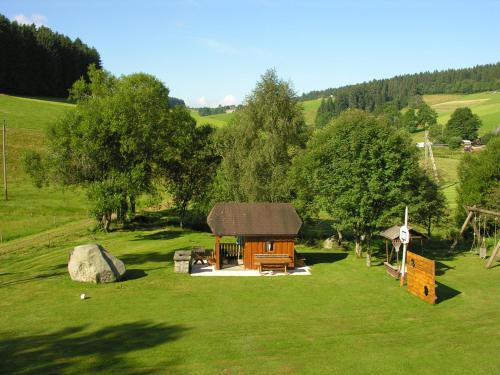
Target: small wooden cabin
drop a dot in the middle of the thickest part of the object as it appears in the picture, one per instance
(258, 228)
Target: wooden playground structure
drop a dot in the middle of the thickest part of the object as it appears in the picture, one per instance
(392, 235)
(476, 217)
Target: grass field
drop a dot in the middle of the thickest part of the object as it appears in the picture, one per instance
(30, 210)
(310, 109)
(214, 120)
(345, 318)
(486, 105)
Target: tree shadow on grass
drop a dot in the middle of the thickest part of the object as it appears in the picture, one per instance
(316, 258)
(162, 235)
(153, 256)
(73, 350)
(141, 258)
(134, 274)
(445, 292)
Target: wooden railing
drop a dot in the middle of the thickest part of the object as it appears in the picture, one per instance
(229, 250)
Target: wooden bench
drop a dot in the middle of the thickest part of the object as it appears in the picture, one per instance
(272, 261)
(392, 270)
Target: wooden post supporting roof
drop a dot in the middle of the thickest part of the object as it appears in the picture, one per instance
(217, 253)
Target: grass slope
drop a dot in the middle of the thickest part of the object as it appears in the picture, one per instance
(30, 210)
(486, 105)
(310, 110)
(345, 318)
(214, 120)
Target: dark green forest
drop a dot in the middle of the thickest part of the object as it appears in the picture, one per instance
(35, 61)
(371, 96)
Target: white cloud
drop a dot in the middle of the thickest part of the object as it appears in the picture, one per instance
(202, 101)
(37, 19)
(229, 100)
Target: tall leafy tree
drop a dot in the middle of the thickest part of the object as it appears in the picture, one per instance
(426, 116)
(259, 145)
(362, 171)
(463, 124)
(479, 178)
(113, 143)
(409, 120)
(188, 175)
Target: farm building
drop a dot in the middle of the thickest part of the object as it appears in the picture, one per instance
(261, 231)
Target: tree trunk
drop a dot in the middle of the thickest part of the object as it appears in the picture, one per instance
(369, 253)
(122, 211)
(358, 240)
(132, 204)
(182, 214)
(339, 237)
(429, 223)
(359, 248)
(106, 221)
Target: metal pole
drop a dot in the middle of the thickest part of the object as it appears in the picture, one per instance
(4, 162)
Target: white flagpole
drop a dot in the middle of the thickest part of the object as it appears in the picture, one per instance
(403, 265)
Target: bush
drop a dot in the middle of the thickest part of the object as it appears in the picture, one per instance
(454, 142)
(34, 168)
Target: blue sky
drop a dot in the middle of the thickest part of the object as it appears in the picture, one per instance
(212, 52)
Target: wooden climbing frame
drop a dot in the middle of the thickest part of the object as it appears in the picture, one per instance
(471, 211)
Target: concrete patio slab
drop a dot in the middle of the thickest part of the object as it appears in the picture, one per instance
(207, 270)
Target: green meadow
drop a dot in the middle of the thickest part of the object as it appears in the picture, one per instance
(345, 318)
(485, 105)
(31, 210)
(310, 109)
(214, 120)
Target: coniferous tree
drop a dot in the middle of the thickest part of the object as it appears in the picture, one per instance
(39, 62)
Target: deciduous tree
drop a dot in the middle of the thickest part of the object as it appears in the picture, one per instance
(363, 172)
(259, 145)
(463, 123)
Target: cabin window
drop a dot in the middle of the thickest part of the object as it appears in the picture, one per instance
(269, 246)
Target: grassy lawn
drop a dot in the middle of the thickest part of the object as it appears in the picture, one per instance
(345, 318)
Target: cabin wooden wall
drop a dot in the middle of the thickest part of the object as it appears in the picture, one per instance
(256, 245)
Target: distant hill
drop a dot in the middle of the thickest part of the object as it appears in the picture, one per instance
(399, 89)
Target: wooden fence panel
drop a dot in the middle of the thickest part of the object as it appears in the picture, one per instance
(421, 277)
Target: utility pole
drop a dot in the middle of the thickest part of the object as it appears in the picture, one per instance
(4, 162)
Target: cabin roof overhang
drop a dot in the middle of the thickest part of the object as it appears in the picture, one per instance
(254, 219)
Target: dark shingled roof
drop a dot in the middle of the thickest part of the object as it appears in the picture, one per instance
(392, 233)
(254, 219)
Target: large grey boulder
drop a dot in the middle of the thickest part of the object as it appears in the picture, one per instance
(93, 264)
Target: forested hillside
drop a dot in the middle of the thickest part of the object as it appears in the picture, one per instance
(35, 61)
(400, 89)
